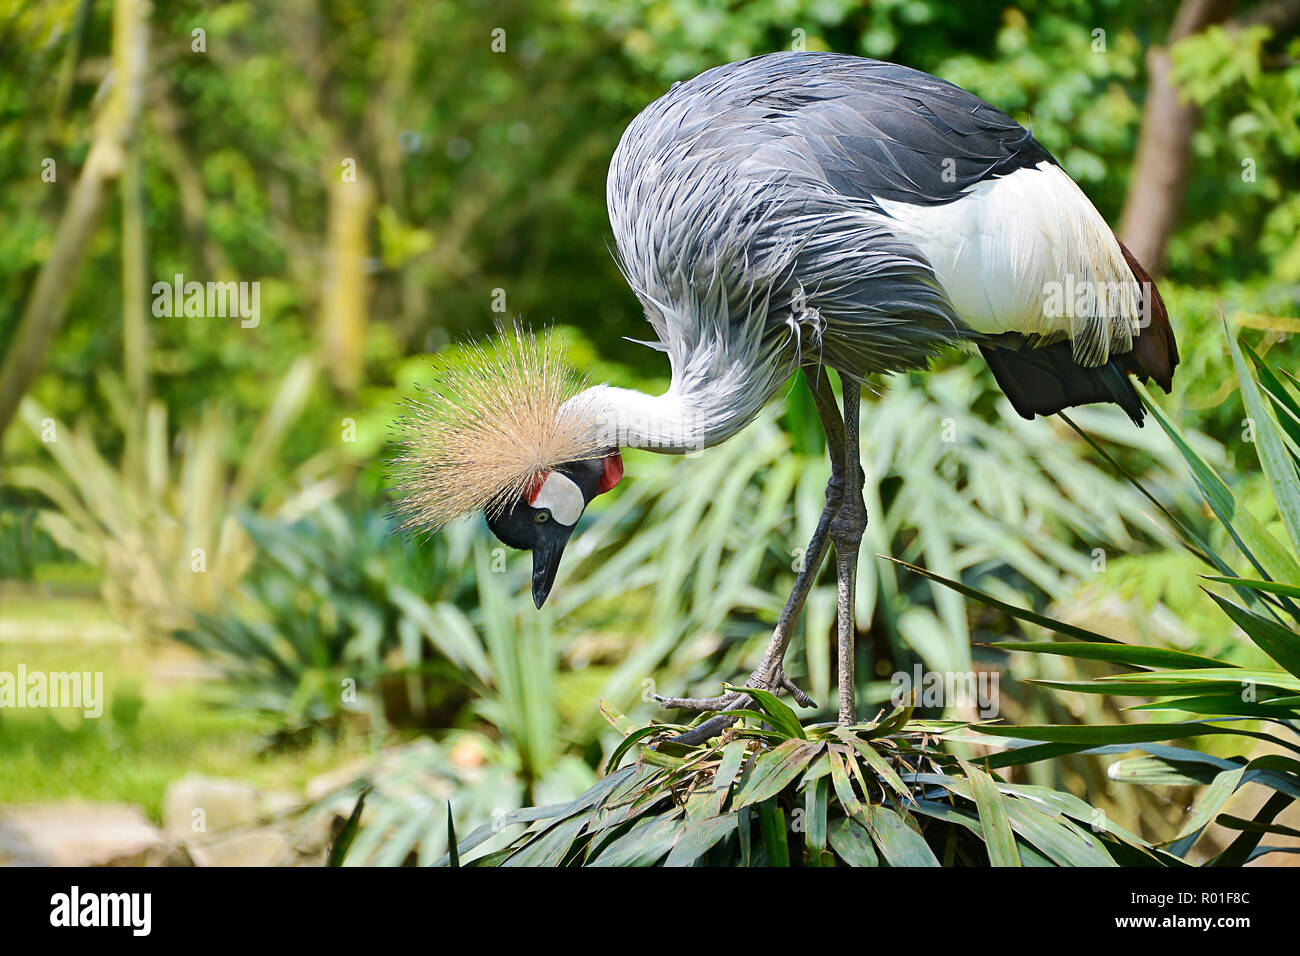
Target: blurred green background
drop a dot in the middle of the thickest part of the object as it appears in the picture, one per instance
(197, 508)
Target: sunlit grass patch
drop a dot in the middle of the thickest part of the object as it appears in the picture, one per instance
(155, 728)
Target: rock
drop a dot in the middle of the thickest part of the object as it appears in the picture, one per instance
(225, 805)
(80, 833)
(264, 846)
(328, 783)
(241, 825)
(276, 804)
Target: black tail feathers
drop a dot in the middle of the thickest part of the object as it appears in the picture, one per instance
(1042, 381)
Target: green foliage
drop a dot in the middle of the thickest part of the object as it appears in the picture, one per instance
(775, 793)
(154, 729)
(1247, 82)
(342, 616)
(659, 582)
(27, 552)
(1224, 699)
(159, 528)
(343, 842)
(420, 792)
(488, 167)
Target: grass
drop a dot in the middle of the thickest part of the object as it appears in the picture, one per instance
(30, 613)
(157, 726)
(46, 761)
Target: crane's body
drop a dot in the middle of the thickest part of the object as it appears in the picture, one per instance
(811, 210)
(803, 208)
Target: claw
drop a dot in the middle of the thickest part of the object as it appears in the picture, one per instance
(802, 699)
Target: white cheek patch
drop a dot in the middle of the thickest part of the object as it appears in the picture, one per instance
(561, 497)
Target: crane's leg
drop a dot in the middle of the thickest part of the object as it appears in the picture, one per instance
(846, 532)
(770, 673)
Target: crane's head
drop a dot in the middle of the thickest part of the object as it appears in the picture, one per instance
(498, 432)
(543, 518)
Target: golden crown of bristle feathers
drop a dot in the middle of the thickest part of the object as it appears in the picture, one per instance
(492, 421)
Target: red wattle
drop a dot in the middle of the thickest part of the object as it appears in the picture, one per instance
(613, 473)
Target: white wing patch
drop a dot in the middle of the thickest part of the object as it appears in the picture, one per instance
(1014, 254)
(562, 498)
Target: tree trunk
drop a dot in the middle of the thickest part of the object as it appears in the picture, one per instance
(343, 306)
(1164, 155)
(44, 311)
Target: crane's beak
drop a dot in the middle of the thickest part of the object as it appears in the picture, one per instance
(546, 562)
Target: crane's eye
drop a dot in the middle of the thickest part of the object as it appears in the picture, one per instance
(542, 516)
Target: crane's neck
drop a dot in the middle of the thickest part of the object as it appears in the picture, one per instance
(679, 422)
(723, 373)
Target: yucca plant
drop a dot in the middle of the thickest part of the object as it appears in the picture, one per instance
(342, 616)
(667, 584)
(160, 527)
(685, 586)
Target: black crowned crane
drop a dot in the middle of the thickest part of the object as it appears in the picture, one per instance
(798, 212)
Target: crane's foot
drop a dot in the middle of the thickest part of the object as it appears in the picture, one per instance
(776, 683)
(762, 680)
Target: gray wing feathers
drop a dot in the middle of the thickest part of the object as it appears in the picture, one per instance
(744, 209)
